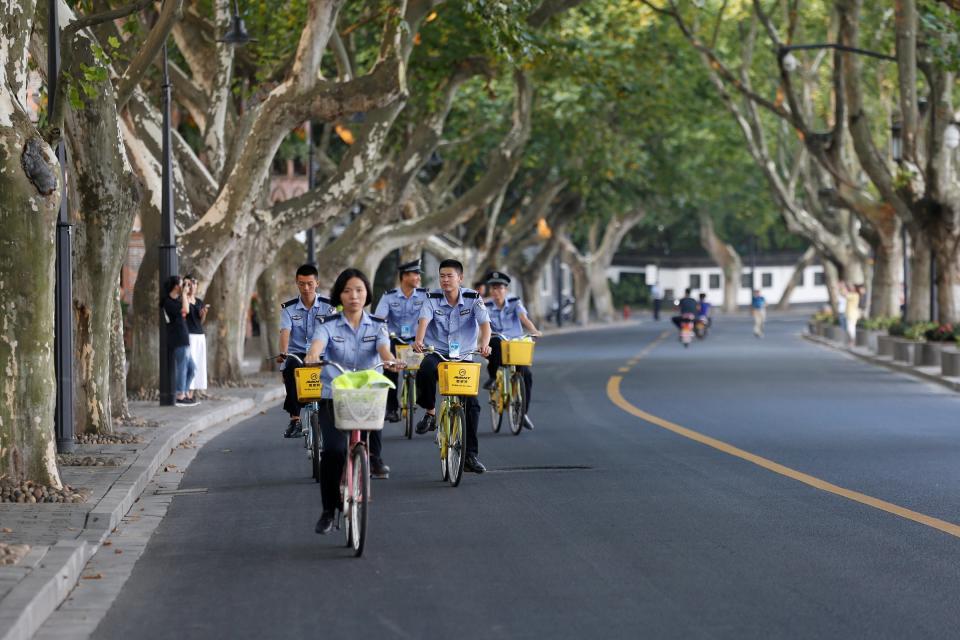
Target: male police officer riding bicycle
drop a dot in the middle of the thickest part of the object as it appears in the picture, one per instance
(400, 307)
(454, 321)
(298, 317)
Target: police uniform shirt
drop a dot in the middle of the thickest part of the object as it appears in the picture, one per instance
(353, 349)
(301, 321)
(401, 312)
(507, 319)
(459, 323)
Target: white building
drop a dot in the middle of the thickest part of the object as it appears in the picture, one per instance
(676, 273)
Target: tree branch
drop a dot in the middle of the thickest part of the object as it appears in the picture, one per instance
(169, 14)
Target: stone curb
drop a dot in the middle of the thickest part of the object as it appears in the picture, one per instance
(34, 598)
(950, 383)
(593, 326)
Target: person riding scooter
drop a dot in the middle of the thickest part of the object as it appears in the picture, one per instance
(687, 307)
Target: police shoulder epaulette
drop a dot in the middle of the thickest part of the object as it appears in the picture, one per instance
(471, 294)
(323, 299)
(435, 294)
(513, 299)
(422, 289)
(377, 318)
(394, 290)
(329, 318)
(288, 303)
(489, 303)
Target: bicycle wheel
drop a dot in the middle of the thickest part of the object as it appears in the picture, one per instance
(316, 444)
(408, 407)
(516, 404)
(456, 450)
(496, 406)
(443, 440)
(359, 500)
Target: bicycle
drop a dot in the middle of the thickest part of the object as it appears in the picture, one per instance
(356, 409)
(309, 388)
(508, 390)
(457, 379)
(407, 394)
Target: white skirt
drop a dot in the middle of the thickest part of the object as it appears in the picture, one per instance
(198, 351)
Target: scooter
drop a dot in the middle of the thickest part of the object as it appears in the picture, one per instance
(701, 326)
(686, 329)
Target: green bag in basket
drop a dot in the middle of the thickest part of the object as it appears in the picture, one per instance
(367, 379)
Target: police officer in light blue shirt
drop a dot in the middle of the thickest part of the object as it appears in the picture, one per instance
(297, 321)
(355, 340)
(508, 318)
(454, 321)
(401, 309)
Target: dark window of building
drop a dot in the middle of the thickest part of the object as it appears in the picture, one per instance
(694, 280)
(803, 274)
(767, 279)
(746, 281)
(818, 279)
(714, 280)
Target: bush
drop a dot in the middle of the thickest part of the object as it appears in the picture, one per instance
(882, 323)
(826, 317)
(918, 330)
(942, 333)
(897, 329)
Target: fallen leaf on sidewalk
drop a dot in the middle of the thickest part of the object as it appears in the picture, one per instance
(107, 543)
(118, 551)
(96, 576)
(7, 530)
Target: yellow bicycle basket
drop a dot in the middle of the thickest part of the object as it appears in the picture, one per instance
(308, 382)
(517, 352)
(459, 378)
(409, 357)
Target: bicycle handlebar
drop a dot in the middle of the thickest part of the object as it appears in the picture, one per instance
(463, 356)
(323, 363)
(523, 337)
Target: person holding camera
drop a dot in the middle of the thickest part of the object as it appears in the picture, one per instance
(196, 316)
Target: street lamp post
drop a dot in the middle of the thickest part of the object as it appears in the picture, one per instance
(167, 249)
(311, 185)
(559, 280)
(63, 306)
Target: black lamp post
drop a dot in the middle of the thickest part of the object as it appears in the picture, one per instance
(311, 185)
(168, 241)
(63, 306)
(558, 268)
(237, 35)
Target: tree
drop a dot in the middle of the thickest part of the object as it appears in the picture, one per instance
(31, 183)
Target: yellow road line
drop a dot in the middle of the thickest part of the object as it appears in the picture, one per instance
(613, 392)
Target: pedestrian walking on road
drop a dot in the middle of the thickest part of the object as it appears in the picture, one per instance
(175, 311)
(656, 294)
(298, 317)
(356, 340)
(198, 340)
(853, 312)
(758, 307)
(842, 305)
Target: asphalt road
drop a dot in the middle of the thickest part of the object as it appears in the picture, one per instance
(659, 536)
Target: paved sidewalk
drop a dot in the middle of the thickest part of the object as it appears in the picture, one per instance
(63, 536)
(930, 374)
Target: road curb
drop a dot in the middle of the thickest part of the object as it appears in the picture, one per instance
(595, 326)
(34, 598)
(950, 383)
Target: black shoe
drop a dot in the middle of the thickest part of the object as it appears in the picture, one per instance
(527, 422)
(378, 470)
(490, 384)
(186, 402)
(473, 464)
(427, 423)
(393, 416)
(325, 523)
(294, 430)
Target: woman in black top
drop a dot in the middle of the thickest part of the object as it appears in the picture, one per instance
(175, 311)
